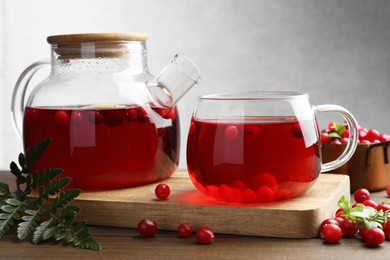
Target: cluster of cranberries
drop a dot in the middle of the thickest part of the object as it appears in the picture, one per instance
(339, 134)
(148, 228)
(333, 229)
(111, 117)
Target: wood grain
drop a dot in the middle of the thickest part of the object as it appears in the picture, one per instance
(300, 216)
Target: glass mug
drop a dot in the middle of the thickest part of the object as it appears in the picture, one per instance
(259, 146)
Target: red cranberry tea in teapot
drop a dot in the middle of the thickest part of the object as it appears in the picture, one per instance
(112, 124)
(256, 147)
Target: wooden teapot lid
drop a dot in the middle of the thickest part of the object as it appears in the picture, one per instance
(105, 44)
(66, 39)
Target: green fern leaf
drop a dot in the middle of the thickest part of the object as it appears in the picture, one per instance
(36, 151)
(64, 198)
(30, 221)
(4, 188)
(10, 213)
(15, 169)
(45, 230)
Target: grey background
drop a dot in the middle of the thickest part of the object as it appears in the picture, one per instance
(336, 50)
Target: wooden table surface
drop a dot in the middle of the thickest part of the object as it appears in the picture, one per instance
(125, 243)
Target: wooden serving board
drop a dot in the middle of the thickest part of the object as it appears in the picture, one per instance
(296, 218)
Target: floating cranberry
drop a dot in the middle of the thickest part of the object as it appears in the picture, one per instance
(296, 130)
(265, 179)
(251, 130)
(95, 117)
(131, 115)
(231, 132)
(143, 115)
(238, 184)
(265, 194)
(76, 117)
(61, 118)
(248, 195)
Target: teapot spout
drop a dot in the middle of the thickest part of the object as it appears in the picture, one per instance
(174, 81)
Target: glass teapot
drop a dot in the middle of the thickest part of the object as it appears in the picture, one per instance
(112, 124)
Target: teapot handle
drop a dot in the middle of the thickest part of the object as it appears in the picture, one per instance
(19, 93)
(353, 136)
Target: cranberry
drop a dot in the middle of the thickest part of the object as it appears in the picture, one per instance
(61, 118)
(348, 227)
(131, 115)
(162, 191)
(332, 126)
(362, 231)
(265, 194)
(296, 130)
(251, 130)
(383, 206)
(228, 193)
(386, 229)
(325, 138)
(388, 191)
(345, 134)
(184, 230)
(384, 138)
(328, 221)
(264, 179)
(372, 135)
(374, 237)
(77, 117)
(204, 235)
(238, 184)
(248, 195)
(95, 117)
(361, 195)
(147, 227)
(370, 203)
(231, 132)
(344, 140)
(362, 134)
(331, 233)
(143, 115)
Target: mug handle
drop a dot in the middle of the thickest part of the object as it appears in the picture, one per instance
(19, 93)
(353, 136)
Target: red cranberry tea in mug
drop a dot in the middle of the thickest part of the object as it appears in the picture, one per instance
(106, 147)
(252, 159)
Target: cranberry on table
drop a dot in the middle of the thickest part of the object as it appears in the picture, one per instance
(331, 233)
(147, 227)
(184, 230)
(348, 227)
(361, 195)
(374, 237)
(204, 235)
(327, 222)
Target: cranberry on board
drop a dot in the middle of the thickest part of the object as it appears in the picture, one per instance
(162, 191)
